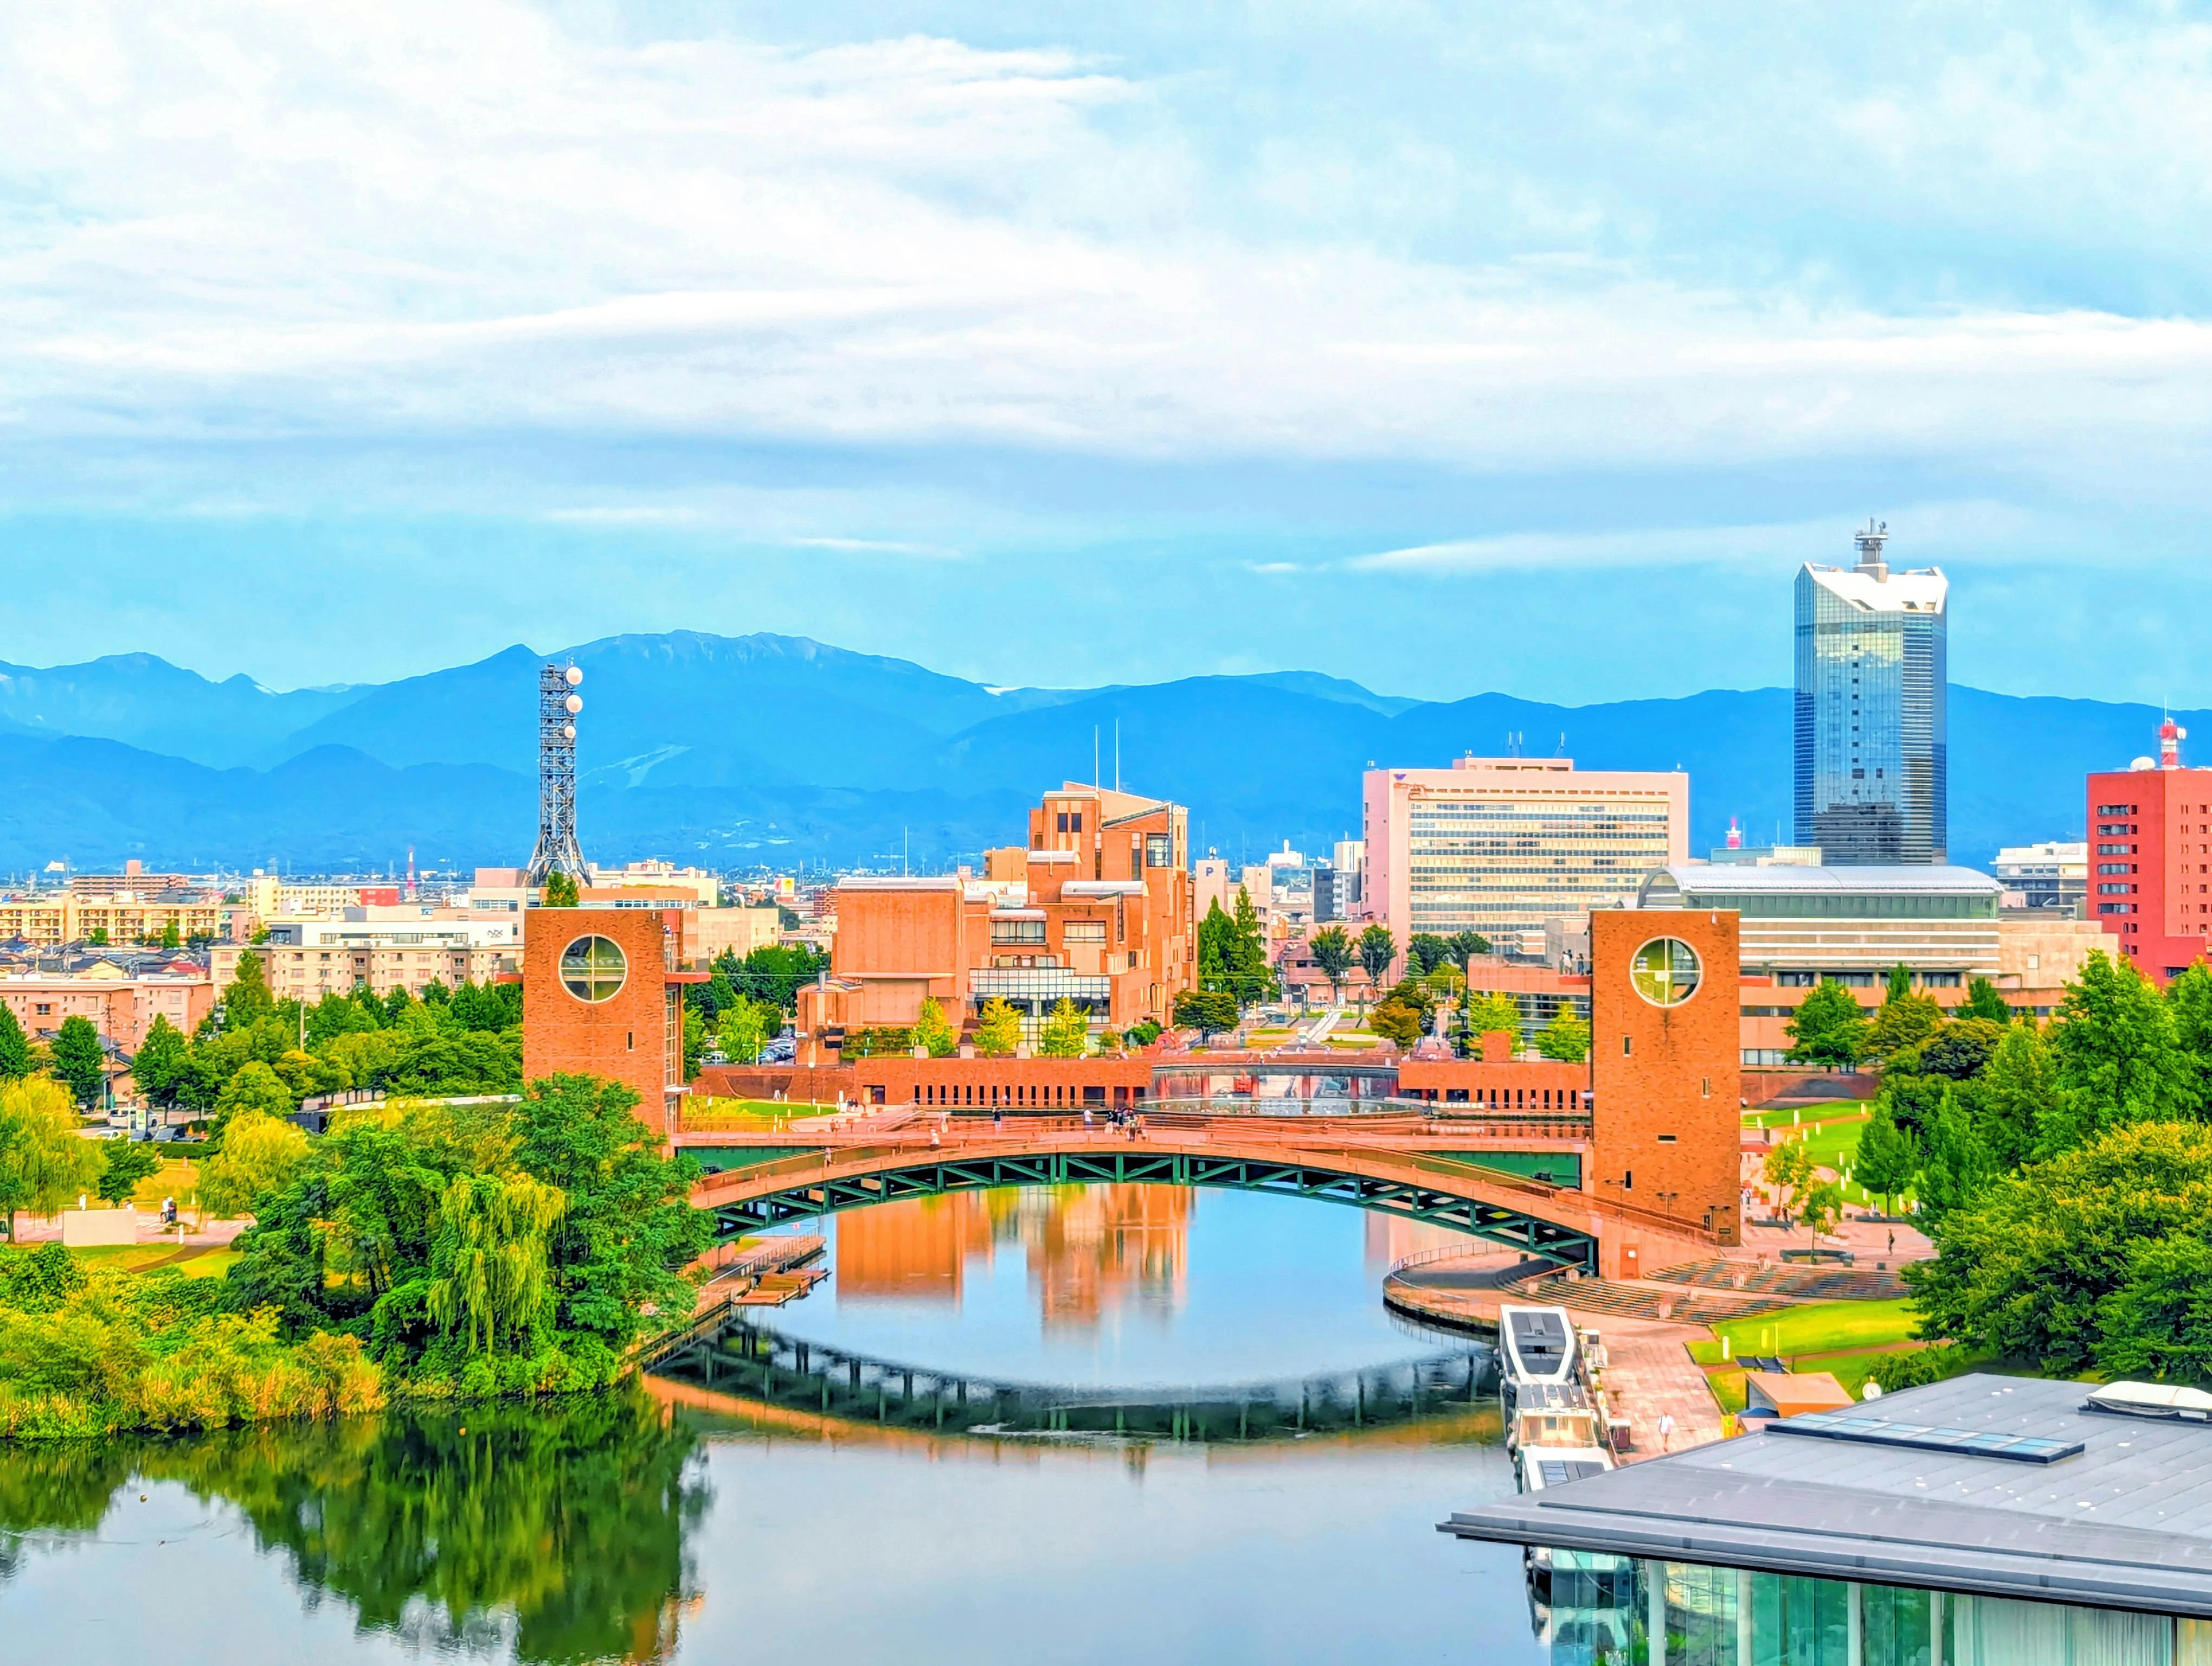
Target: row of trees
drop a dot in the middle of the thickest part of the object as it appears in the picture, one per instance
(440, 1248)
(257, 1054)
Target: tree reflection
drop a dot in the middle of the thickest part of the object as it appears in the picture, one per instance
(554, 1530)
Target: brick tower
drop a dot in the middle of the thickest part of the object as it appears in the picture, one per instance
(1666, 1064)
(599, 998)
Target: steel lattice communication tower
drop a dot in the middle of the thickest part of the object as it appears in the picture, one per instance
(558, 704)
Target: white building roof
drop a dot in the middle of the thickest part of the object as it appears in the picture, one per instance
(1923, 591)
(1899, 879)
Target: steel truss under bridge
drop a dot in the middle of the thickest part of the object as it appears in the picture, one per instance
(928, 1177)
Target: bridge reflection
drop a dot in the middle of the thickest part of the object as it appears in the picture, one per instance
(737, 1356)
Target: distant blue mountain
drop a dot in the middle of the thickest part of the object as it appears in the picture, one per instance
(764, 749)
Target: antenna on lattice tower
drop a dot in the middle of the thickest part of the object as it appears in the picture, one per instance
(558, 705)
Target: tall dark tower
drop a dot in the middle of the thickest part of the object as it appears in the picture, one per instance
(558, 704)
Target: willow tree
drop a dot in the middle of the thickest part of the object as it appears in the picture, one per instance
(488, 1278)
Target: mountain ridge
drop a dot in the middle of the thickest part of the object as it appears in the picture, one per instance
(768, 748)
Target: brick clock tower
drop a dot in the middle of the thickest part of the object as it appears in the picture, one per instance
(1666, 1064)
(599, 998)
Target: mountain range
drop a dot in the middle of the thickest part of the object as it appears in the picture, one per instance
(771, 750)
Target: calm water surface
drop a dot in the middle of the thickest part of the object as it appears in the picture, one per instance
(628, 1527)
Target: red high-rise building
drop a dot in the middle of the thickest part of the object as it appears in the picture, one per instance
(2151, 857)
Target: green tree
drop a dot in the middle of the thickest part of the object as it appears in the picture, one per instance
(125, 1162)
(2033, 1266)
(1887, 1156)
(80, 1062)
(160, 1061)
(1566, 1038)
(1250, 977)
(1067, 1032)
(1424, 952)
(43, 1162)
(2016, 1095)
(14, 1047)
(260, 1154)
(559, 892)
(1828, 1027)
(1820, 1207)
(2116, 1057)
(1493, 1013)
(1209, 1011)
(256, 1089)
(998, 1030)
(1961, 1049)
(171, 938)
(1464, 945)
(1377, 949)
(1905, 1021)
(1787, 1167)
(933, 1033)
(247, 1001)
(1900, 984)
(1958, 1166)
(491, 1285)
(628, 1229)
(1332, 951)
(99, 938)
(1983, 1001)
(746, 1026)
(1397, 1021)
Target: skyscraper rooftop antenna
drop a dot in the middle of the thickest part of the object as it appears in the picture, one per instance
(558, 706)
(1870, 541)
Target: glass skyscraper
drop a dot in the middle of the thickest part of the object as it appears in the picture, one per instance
(1872, 773)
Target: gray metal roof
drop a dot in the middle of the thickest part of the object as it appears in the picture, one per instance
(2126, 1523)
(1897, 880)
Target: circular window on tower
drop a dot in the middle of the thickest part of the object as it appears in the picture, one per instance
(1665, 971)
(594, 968)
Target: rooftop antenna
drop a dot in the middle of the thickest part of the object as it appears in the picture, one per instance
(1870, 543)
(558, 704)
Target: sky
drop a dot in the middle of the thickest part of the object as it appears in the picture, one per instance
(1525, 347)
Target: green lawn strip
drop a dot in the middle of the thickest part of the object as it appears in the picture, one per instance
(1727, 1390)
(1806, 1116)
(1816, 1328)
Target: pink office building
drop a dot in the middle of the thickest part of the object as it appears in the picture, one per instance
(1496, 845)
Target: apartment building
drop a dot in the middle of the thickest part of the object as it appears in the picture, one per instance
(1095, 908)
(1498, 845)
(49, 919)
(308, 956)
(121, 1004)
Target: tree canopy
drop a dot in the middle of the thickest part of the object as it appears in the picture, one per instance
(1828, 1028)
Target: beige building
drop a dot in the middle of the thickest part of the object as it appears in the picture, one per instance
(309, 957)
(121, 1008)
(738, 931)
(1499, 845)
(48, 919)
(662, 879)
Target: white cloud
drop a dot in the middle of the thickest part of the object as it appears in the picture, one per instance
(242, 221)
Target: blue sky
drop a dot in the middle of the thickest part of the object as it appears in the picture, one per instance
(1525, 347)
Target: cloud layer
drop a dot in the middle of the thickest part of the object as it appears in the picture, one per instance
(1578, 282)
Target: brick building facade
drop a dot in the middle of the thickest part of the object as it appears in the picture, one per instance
(600, 997)
(1666, 1064)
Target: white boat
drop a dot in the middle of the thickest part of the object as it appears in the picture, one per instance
(1536, 1346)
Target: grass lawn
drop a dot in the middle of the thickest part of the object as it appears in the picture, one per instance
(1727, 1390)
(198, 1260)
(1834, 1144)
(712, 1116)
(1805, 1115)
(1817, 1327)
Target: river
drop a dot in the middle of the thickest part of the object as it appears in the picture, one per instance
(663, 1525)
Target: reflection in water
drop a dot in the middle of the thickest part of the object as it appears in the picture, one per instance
(553, 1532)
(1090, 1251)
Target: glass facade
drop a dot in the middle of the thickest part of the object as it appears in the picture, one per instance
(1589, 1609)
(1872, 774)
(1499, 867)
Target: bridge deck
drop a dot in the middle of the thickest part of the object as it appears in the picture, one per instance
(1378, 1171)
